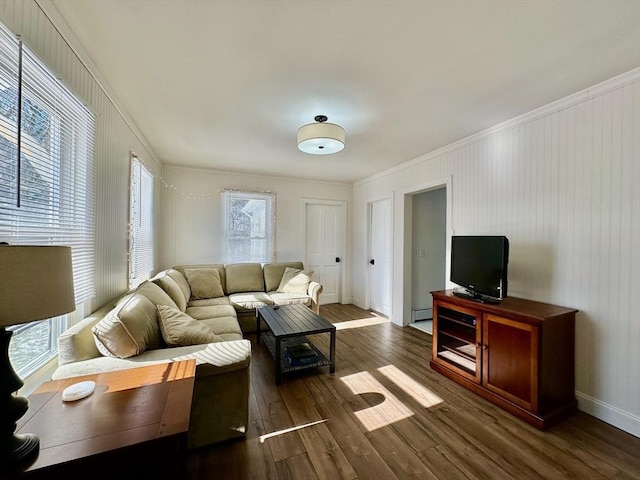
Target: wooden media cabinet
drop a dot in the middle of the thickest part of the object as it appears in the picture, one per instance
(518, 354)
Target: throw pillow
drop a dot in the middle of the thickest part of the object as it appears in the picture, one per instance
(128, 329)
(180, 329)
(295, 280)
(171, 287)
(204, 283)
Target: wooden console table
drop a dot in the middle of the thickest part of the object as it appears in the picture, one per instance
(518, 354)
(134, 424)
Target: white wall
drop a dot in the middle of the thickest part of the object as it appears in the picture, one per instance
(563, 183)
(114, 139)
(192, 213)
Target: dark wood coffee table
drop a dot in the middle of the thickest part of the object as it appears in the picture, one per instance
(289, 324)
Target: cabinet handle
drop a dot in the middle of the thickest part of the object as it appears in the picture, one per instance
(484, 347)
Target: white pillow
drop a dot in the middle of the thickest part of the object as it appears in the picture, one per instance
(295, 280)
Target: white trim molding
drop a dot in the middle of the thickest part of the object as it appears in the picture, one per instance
(608, 413)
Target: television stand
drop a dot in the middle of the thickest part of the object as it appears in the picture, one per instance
(477, 297)
(518, 355)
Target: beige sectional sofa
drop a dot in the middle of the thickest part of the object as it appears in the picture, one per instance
(190, 311)
(248, 286)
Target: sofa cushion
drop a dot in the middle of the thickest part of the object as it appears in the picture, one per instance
(171, 288)
(181, 280)
(204, 282)
(227, 337)
(207, 302)
(219, 358)
(217, 266)
(244, 277)
(273, 273)
(155, 294)
(211, 359)
(290, 299)
(250, 300)
(179, 329)
(295, 281)
(211, 311)
(224, 326)
(129, 329)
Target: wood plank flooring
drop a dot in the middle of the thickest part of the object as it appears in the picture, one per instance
(385, 414)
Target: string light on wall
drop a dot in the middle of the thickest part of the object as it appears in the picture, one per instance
(193, 196)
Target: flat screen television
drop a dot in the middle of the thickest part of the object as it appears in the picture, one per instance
(479, 265)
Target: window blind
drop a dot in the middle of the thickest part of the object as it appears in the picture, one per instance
(47, 194)
(140, 223)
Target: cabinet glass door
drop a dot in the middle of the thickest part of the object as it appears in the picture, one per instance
(456, 339)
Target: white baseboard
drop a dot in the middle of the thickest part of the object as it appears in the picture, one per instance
(422, 314)
(614, 416)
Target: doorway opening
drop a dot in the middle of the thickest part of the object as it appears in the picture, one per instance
(427, 221)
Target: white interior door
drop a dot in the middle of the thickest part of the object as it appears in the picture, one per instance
(324, 243)
(380, 256)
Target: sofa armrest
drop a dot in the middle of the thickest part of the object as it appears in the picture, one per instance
(221, 357)
(77, 342)
(314, 291)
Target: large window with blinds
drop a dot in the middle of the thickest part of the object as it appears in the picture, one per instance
(46, 181)
(140, 223)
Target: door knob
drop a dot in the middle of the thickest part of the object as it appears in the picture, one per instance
(372, 261)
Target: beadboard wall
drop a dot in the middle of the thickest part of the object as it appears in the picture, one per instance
(563, 184)
(115, 138)
(192, 212)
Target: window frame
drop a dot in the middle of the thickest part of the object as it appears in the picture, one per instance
(48, 196)
(141, 233)
(269, 198)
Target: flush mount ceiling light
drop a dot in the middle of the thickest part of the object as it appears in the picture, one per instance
(321, 138)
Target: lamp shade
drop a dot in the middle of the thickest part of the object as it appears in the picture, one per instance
(321, 138)
(36, 282)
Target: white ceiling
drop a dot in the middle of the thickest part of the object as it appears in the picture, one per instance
(225, 84)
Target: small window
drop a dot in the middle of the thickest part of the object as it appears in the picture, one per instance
(140, 223)
(249, 227)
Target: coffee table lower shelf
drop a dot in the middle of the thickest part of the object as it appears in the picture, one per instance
(270, 342)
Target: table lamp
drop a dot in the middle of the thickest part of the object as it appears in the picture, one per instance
(36, 282)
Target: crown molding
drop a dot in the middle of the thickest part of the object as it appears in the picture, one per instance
(582, 96)
(173, 166)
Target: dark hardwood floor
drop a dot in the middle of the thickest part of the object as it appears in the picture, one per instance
(385, 414)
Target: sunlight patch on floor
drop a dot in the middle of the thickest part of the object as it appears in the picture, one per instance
(389, 411)
(419, 392)
(363, 322)
(287, 430)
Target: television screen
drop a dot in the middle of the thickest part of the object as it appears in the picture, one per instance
(479, 264)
